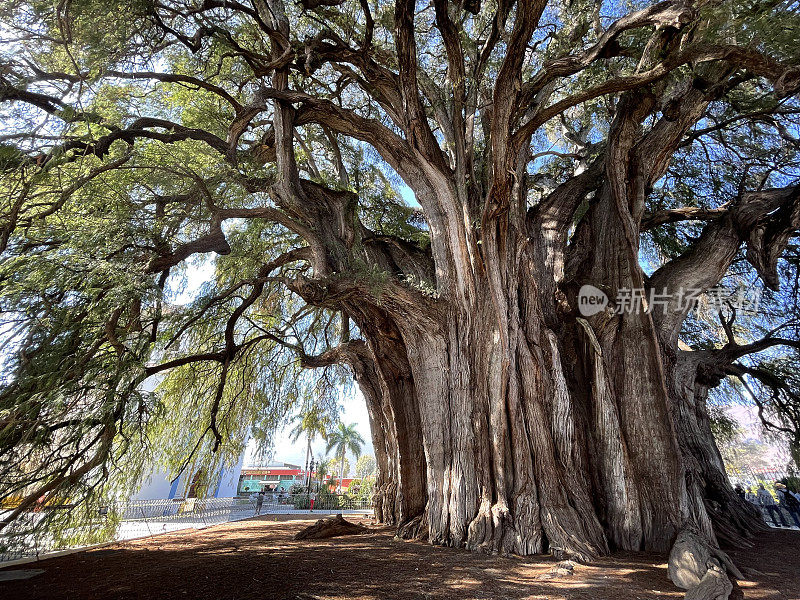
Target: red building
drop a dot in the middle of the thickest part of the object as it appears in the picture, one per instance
(280, 476)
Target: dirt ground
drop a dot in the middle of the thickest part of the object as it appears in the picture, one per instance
(258, 559)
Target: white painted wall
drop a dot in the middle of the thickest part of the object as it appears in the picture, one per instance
(230, 480)
(154, 487)
(158, 485)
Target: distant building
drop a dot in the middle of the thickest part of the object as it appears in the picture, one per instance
(280, 476)
(274, 475)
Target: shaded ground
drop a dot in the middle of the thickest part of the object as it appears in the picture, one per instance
(258, 559)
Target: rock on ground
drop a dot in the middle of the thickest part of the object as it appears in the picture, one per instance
(701, 569)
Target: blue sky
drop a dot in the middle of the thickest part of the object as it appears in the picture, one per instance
(355, 411)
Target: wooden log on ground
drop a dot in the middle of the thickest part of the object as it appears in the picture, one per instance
(328, 528)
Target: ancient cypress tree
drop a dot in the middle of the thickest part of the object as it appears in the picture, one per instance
(417, 191)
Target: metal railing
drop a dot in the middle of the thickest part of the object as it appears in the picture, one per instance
(143, 518)
(294, 503)
(209, 510)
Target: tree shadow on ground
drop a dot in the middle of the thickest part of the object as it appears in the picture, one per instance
(258, 559)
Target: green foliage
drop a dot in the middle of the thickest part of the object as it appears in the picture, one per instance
(10, 157)
(323, 470)
(365, 466)
(771, 26)
(312, 422)
(345, 438)
(329, 469)
(360, 490)
(726, 429)
(83, 319)
(74, 353)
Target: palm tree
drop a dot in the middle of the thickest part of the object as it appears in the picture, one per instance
(312, 422)
(344, 438)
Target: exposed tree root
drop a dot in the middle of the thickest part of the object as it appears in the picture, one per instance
(735, 523)
(715, 584)
(414, 529)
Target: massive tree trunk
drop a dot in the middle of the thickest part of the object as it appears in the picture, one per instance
(640, 466)
(395, 416)
(541, 431)
(384, 436)
(716, 506)
(511, 438)
(544, 430)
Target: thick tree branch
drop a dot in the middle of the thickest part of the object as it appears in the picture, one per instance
(416, 127)
(178, 78)
(676, 215)
(764, 219)
(785, 80)
(673, 13)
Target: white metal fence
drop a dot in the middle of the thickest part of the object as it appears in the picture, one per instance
(142, 518)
